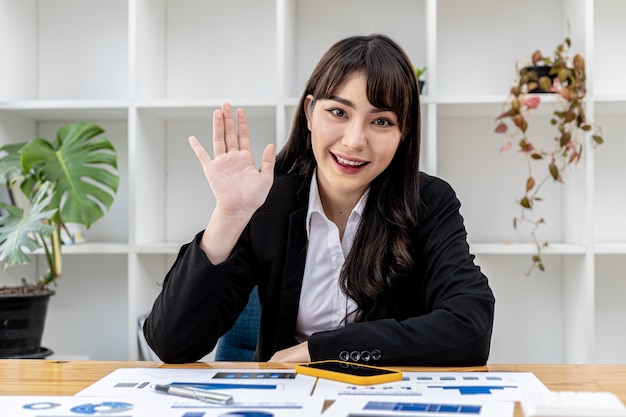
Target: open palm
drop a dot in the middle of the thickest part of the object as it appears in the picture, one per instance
(239, 187)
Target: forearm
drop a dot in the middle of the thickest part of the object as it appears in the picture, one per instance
(222, 233)
(436, 339)
(184, 323)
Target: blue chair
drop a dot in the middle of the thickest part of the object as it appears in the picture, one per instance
(239, 343)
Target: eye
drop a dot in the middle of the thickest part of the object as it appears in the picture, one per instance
(382, 121)
(337, 112)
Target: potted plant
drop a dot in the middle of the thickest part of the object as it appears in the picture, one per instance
(419, 71)
(72, 179)
(564, 76)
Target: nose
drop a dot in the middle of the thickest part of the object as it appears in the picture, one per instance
(354, 137)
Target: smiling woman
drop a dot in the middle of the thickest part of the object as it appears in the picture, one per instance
(357, 254)
(352, 141)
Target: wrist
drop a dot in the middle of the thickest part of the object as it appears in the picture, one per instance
(222, 233)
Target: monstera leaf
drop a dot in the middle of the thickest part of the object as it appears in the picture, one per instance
(19, 227)
(70, 180)
(77, 164)
(11, 163)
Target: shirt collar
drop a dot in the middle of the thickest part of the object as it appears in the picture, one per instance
(315, 204)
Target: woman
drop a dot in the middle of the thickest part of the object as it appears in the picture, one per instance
(357, 255)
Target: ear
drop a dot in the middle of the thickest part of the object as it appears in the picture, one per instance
(309, 104)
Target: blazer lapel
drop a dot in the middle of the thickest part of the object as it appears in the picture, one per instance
(293, 271)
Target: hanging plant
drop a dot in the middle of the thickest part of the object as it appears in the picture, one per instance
(565, 77)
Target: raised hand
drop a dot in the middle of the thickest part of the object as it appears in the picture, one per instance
(239, 187)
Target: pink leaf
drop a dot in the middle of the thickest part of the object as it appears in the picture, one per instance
(526, 146)
(532, 102)
(506, 147)
(555, 85)
(501, 128)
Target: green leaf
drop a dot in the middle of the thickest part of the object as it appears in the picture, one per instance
(554, 171)
(82, 167)
(10, 163)
(545, 83)
(18, 227)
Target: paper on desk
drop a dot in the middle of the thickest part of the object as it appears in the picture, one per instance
(366, 406)
(166, 406)
(265, 389)
(487, 386)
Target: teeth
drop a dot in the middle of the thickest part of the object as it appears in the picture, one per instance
(351, 163)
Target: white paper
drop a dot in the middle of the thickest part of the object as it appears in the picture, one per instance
(167, 406)
(363, 406)
(500, 386)
(263, 389)
(129, 392)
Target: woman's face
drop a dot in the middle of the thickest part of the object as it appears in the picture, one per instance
(353, 141)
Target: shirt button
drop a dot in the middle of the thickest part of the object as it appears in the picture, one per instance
(344, 355)
(376, 355)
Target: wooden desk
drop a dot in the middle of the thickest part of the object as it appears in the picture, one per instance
(49, 377)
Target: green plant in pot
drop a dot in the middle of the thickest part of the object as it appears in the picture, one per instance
(419, 72)
(564, 76)
(72, 179)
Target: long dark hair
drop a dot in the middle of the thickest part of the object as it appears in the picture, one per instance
(382, 245)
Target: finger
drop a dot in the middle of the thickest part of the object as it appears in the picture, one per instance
(219, 146)
(269, 160)
(230, 136)
(243, 134)
(199, 150)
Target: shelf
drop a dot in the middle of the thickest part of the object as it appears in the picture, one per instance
(54, 50)
(618, 248)
(62, 110)
(159, 248)
(151, 72)
(526, 249)
(203, 109)
(92, 249)
(97, 249)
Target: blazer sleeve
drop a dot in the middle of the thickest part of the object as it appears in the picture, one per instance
(199, 302)
(451, 299)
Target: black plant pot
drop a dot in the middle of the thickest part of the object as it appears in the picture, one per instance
(540, 71)
(420, 84)
(22, 318)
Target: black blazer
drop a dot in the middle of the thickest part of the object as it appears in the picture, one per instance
(440, 314)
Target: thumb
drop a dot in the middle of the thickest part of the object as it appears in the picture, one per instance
(199, 150)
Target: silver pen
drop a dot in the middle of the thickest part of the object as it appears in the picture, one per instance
(196, 393)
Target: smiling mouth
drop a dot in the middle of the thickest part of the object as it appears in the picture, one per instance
(345, 162)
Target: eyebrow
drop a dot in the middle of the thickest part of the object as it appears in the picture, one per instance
(352, 105)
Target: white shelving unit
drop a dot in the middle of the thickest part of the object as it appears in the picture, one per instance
(152, 71)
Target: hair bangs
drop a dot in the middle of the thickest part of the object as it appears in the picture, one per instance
(390, 84)
(340, 64)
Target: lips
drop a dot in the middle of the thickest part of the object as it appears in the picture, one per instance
(349, 163)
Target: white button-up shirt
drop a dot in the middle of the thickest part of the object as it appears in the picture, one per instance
(323, 306)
